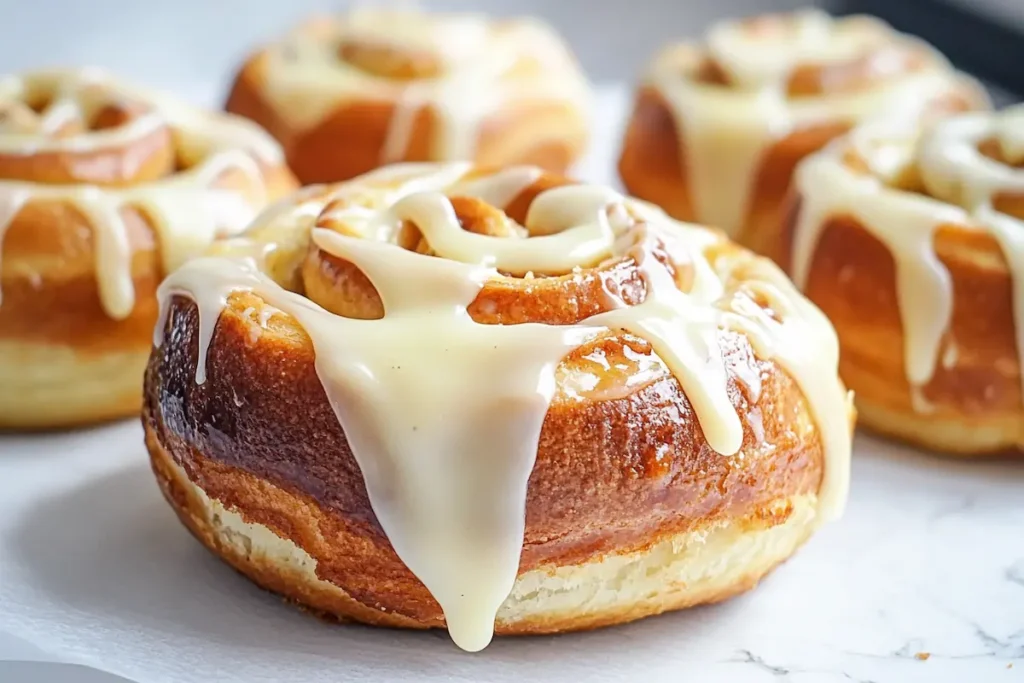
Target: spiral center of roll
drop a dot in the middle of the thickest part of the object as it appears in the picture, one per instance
(807, 50)
(406, 45)
(752, 84)
(972, 161)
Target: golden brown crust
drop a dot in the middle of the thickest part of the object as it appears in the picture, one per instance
(47, 386)
(350, 139)
(153, 158)
(651, 164)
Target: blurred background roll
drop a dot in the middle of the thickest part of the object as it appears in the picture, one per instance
(197, 45)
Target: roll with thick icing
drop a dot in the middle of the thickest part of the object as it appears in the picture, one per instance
(438, 396)
(347, 94)
(719, 126)
(911, 239)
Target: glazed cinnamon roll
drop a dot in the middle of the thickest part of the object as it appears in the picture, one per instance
(103, 189)
(718, 127)
(347, 94)
(493, 401)
(913, 243)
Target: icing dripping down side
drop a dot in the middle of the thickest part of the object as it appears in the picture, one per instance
(924, 289)
(187, 209)
(961, 183)
(446, 458)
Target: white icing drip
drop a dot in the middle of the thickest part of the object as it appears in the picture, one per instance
(189, 212)
(587, 241)
(461, 533)
(724, 132)
(1010, 134)
(951, 355)
(963, 183)
(722, 140)
(306, 80)
(919, 402)
(446, 458)
(403, 120)
(1009, 233)
(59, 114)
(217, 130)
(690, 351)
(952, 165)
(906, 224)
(11, 204)
(186, 209)
(453, 38)
(113, 251)
(800, 328)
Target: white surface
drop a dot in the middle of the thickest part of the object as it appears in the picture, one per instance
(95, 569)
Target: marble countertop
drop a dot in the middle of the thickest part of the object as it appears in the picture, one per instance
(922, 580)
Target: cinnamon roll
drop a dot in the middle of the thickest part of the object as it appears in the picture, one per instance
(104, 188)
(437, 396)
(718, 127)
(913, 243)
(347, 94)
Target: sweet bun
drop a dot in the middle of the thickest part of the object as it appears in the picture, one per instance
(911, 239)
(719, 126)
(439, 396)
(347, 94)
(104, 188)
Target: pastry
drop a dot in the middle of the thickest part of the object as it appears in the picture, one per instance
(437, 395)
(912, 241)
(104, 187)
(718, 127)
(347, 94)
